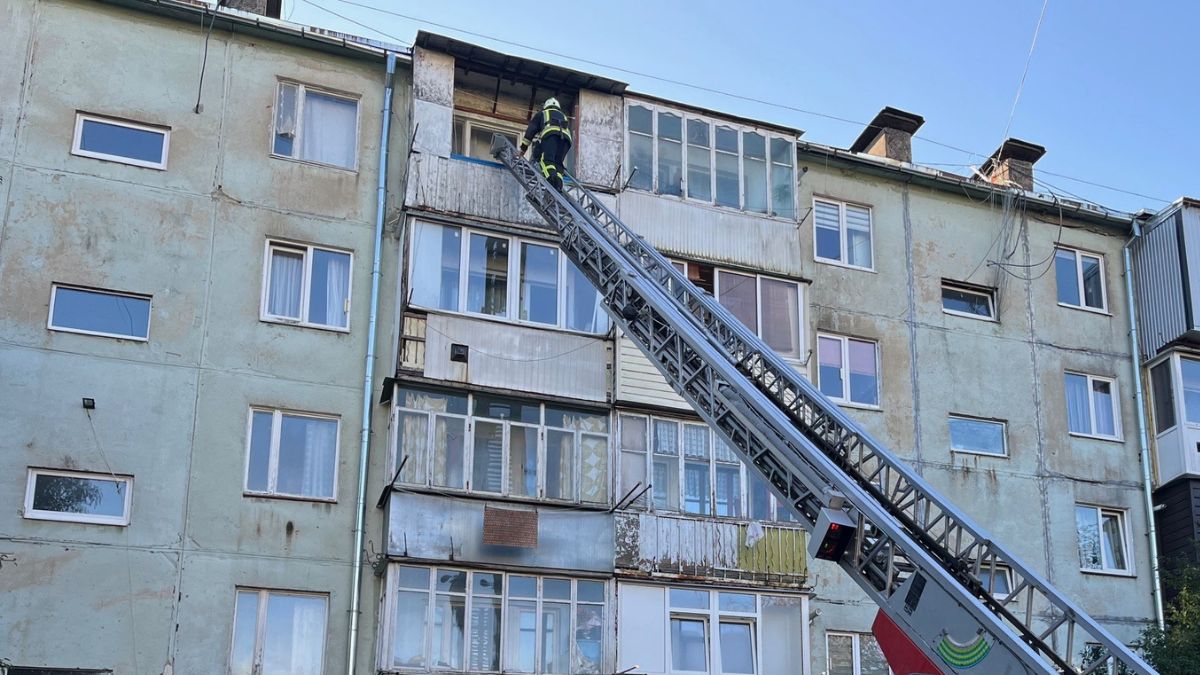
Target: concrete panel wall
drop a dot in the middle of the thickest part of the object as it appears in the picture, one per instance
(173, 411)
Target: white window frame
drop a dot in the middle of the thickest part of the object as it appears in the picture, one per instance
(646, 502)
(1118, 431)
(712, 618)
(102, 291)
(843, 237)
(512, 312)
(70, 517)
(713, 123)
(307, 251)
(997, 571)
(802, 329)
(986, 420)
(390, 606)
(1126, 543)
(543, 427)
(986, 293)
(845, 343)
(471, 120)
(856, 647)
(77, 149)
(260, 625)
(302, 90)
(277, 415)
(1078, 253)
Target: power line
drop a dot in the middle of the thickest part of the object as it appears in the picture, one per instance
(1028, 59)
(707, 89)
(389, 36)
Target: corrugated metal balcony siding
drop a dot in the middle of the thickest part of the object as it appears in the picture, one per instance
(1166, 270)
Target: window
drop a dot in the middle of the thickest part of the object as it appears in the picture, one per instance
(1080, 278)
(768, 306)
(713, 631)
(1102, 539)
(316, 126)
(1094, 650)
(842, 233)
(691, 469)
(1190, 373)
(121, 141)
(307, 285)
(848, 369)
(462, 270)
(479, 621)
(676, 154)
(292, 455)
(78, 497)
(854, 654)
(997, 581)
(473, 135)
(970, 301)
(1092, 406)
(99, 312)
(278, 632)
(498, 445)
(1163, 393)
(978, 436)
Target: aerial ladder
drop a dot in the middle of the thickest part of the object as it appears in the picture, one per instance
(925, 563)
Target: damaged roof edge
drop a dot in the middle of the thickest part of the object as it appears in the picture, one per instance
(511, 66)
(915, 173)
(273, 29)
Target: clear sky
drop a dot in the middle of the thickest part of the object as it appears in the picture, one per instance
(1112, 91)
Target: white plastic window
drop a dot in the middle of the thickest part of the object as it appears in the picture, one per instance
(316, 126)
(307, 285)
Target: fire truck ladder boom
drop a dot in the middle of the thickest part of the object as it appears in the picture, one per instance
(926, 564)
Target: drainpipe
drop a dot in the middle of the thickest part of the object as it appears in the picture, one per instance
(368, 379)
(1143, 437)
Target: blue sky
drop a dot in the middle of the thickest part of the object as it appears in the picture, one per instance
(1111, 92)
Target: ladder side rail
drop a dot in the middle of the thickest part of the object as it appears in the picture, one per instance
(622, 289)
(747, 350)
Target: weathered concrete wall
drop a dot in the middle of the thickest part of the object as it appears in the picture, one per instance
(433, 102)
(934, 364)
(173, 411)
(600, 142)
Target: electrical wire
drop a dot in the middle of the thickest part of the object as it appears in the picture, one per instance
(343, 17)
(699, 87)
(204, 59)
(1028, 59)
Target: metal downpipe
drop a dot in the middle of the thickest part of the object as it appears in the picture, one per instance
(369, 378)
(1143, 436)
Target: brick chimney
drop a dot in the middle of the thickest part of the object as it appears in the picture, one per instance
(1012, 163)
(889, 135)
(271, 8)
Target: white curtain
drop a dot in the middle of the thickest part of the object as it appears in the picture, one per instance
(337, 290)
(287, 278)
(1079, 418)
(320, 457)
(330, 130)
(308, 637)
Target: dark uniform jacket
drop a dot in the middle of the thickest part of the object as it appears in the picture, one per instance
(548, 121)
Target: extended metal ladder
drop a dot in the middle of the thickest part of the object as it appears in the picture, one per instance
(925, 563)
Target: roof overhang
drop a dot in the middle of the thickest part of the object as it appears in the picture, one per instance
(506, 66)
(235, 21)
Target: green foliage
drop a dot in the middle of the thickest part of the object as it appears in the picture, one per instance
(1176, 651)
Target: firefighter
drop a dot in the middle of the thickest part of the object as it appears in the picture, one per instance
(550, 133)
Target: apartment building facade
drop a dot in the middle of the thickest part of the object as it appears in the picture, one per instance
(185, 280)
(545, 503)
